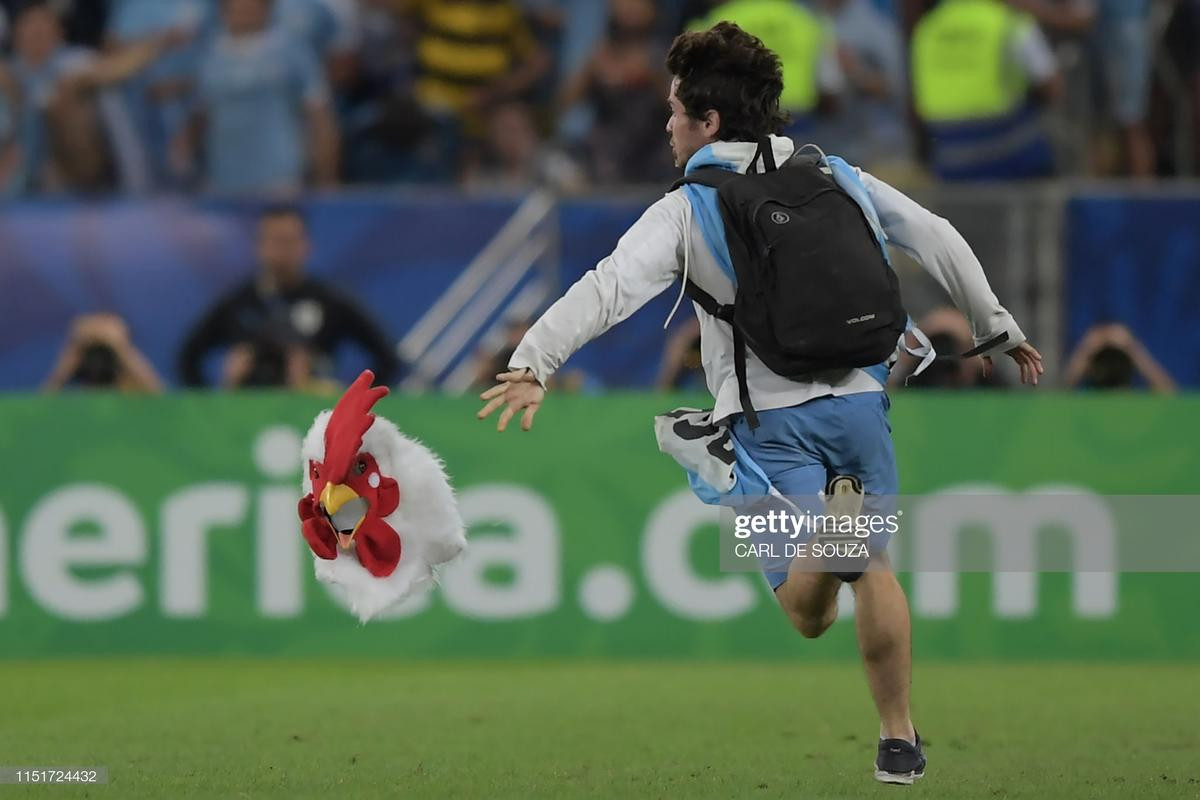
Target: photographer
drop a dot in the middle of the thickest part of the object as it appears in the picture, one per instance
(282, 327)
(99, 354)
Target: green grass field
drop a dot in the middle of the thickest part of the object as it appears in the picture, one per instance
(359, 729)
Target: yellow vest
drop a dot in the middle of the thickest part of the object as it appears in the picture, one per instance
(792, 31)
(961, 67)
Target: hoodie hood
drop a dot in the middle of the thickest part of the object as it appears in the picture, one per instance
(737, 156)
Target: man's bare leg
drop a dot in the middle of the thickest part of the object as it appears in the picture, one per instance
(884, 633)
(809, 599)
(885, 642)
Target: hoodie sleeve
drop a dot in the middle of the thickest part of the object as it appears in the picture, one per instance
(944, 254)
(646, 261)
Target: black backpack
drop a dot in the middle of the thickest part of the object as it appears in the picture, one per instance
(814, 289)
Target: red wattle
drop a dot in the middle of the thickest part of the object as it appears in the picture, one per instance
(378, 547)
(316, 530)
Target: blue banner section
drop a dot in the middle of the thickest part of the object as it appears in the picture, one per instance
(160, 265)
(1136, 260)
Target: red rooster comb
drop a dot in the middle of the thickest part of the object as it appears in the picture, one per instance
(351, 418)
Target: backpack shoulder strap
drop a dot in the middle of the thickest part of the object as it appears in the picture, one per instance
(708, 302)
(766, 153)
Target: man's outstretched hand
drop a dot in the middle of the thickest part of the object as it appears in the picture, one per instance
(517, 390)
(1028, 359)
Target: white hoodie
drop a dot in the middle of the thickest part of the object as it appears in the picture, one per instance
(666, 242)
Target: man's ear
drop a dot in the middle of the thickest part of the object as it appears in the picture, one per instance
(712, 122)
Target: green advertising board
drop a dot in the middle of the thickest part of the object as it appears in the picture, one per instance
(167, 526)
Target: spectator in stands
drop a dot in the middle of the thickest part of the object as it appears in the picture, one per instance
(264, 109)
(10, 153)
(624, 83)
(514, 157)
(396, 134)
(1182, 34)
(99, 354)
(547, 20)
(1062, 17)
(82, 20)
(980, 68)
(282, 325)
(1109, 356)
(389, 138)
(1120, 57)
(805, 44)
(574, 26)
(63, 136)
(153, 106)
(869, 127)
(332, 28)
(471, 56)
(386, 48)
(1122, 44)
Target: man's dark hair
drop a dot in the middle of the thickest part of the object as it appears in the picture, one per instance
(733, 73)
(284, 211)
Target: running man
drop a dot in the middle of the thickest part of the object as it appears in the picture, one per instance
(724, 98)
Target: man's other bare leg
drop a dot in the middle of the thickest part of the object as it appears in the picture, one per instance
(885, 642)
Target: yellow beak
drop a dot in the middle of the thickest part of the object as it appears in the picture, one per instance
(333, 497)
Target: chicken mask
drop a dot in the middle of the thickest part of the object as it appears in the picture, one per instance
(378, 511)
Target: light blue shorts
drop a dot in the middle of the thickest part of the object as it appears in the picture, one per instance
(801, 447)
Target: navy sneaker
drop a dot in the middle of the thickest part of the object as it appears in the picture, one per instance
(899, 762)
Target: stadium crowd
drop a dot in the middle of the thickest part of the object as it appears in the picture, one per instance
(271, 96)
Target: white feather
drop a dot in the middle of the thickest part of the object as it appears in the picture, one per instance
(427, 520)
